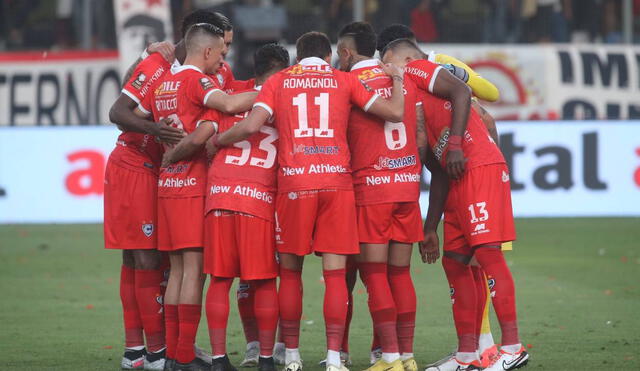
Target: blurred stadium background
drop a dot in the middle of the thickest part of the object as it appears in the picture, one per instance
(569, 121)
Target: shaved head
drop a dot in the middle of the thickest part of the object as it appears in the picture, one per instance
(203, 35)
(400, 52)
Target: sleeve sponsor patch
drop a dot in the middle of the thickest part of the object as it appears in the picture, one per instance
(139, 81)
(206, 83)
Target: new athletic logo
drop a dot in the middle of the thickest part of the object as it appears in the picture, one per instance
(147, 229)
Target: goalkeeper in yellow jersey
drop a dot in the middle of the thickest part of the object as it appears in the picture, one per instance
(485, 90)
(481, 87)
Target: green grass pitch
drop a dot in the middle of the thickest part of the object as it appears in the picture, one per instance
(578, 295)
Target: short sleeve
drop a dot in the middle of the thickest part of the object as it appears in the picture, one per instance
(201, 87)
(423, 73)
(146, 104)
(266, 97)
(210, 115)
(145, 74)
(361, 94)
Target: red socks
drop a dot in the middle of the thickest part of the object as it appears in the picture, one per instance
(266, 311)
(502, 291)
(463, 299)
(335, 306)
(149, 298)
(290, 300)
(189, 318)
(381, 304)
(246, 299)
(404, 295)
(217, 306)
(171, 329)
(481, 296)
(131, 314)
(345, 338)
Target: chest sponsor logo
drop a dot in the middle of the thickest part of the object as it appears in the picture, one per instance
(394, 163)
(395, 178)
(314, 169)
(246, 191)
(177, 182)
(314, 150)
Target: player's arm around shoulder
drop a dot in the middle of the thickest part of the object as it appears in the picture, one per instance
(231, 103)
(391, 109)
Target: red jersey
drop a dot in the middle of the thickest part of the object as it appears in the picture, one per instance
(224, 75)
(310, 103)
(137, 149)
(384, 155)
(181, 96)
(239, 85)
(242, 177)
(477, 145)
(423, 73)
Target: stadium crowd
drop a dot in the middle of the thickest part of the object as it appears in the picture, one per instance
(228, 178)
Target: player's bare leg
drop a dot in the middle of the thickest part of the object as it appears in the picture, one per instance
(372, 264)
(512, 353)
(335, 305)
(404, 296)
(290, 300)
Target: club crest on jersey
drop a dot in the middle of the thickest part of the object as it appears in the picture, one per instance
(147, 229)
(220, 79)
(491, 282)
(140, 79)
(206, 83)
(293, 195)
(505, 176)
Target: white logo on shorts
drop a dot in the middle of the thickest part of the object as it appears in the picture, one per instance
(147, 229)
(293, 195)
(505, 176)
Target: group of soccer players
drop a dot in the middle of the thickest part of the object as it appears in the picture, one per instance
(230, 178)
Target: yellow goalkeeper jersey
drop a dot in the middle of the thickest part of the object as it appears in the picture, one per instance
(481, 87)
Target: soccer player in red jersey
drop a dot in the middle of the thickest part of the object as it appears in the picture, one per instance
(130, 203)
(386, 176)
(183, 97)
(240, 240)
(315, 206)
(478, 219)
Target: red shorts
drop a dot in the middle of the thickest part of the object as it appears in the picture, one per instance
(320, 221)
(180, 223)
(397, 221)
(478, 210)
(129, 208)
(239, 245)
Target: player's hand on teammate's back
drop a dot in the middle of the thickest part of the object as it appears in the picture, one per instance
(455, 163)
(391, 69)
(165, 48)
(430, 247)
(168, 133)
